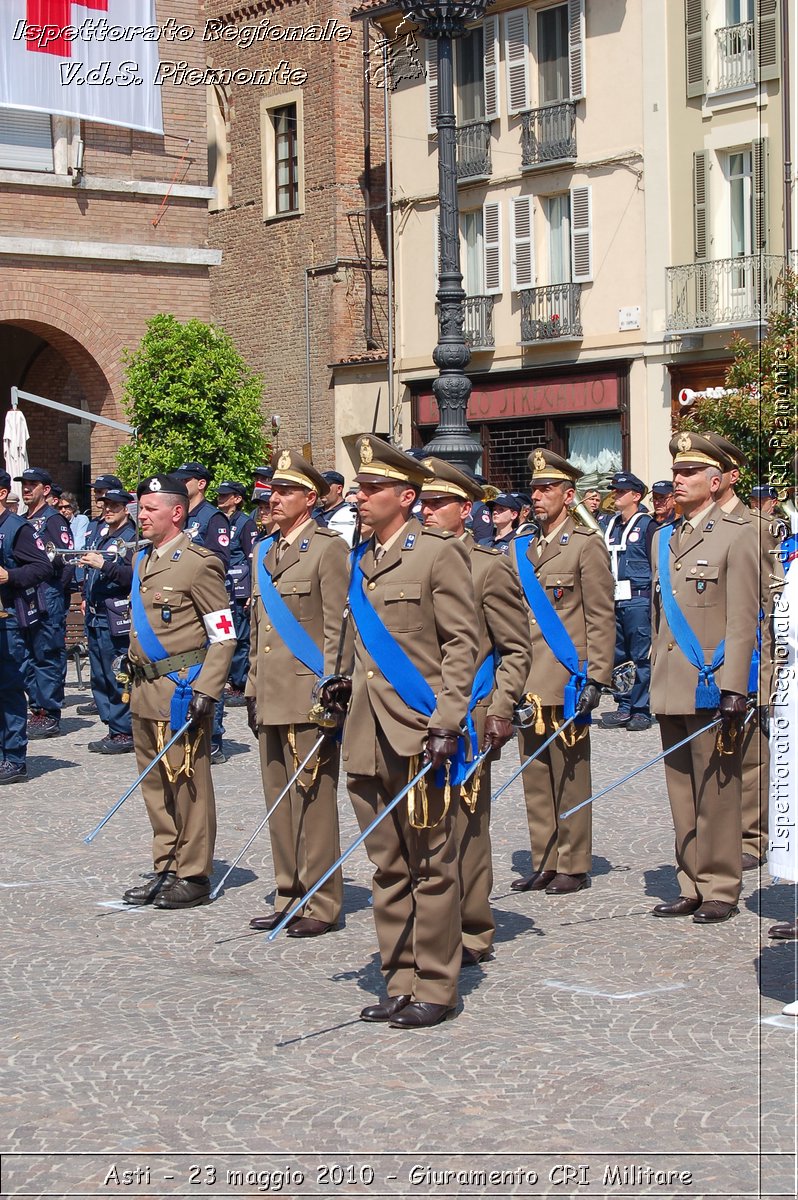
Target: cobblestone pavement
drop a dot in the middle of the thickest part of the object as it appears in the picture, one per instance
(598, 1039)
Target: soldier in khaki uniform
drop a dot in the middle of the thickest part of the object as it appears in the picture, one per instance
(711, 573)
(446, 501)
(755, 748)
(573, 569)
(308, 567)
(418, 583)
(184, 604)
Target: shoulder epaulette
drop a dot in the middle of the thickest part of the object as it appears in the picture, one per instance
(441, 533)
(203, 551)
(325, 532)
(488, 550)
(583, 529)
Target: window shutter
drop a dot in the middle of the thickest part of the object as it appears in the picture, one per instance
(759, 169)
(523, 243)
(516, 59)
(695, 20)
(26, 140)
(492, 246)
(576, 47)
(431, 59)
(701, 205)
(768, 38)
(581, 235)
(490, 52)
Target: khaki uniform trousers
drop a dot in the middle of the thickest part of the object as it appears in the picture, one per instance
(415, 887)
(304, 827)
(182, 814)
(553, 783)
(475, 864)
(755, 788)
(704, 791)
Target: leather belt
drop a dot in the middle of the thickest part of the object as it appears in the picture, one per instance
(642, 592)
(165, 666)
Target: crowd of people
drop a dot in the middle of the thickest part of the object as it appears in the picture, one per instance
(414, 626)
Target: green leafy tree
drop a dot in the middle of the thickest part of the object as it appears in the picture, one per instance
(192, 399)
(759, 412)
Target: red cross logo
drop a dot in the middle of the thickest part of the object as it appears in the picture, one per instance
(57, 14)
(224, 624)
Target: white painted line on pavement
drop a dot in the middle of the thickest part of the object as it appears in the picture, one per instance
(585, 991)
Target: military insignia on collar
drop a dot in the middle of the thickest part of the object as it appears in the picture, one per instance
(700, 585)
(710, 525)
(684, 443)
(154, 485)
(303, 545)
(176, 555)
(564, 539)
(539, 460)
(409, 542)
(284, 461)
(366, 453)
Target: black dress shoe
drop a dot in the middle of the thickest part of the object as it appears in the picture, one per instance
(145, 893)
(185, 893)
(386, 1009)
(471, 958)
(309, 927)
(564, 885)
(784, 931)
(419, 1014)
(685, 906)
(535, 882)
(266, 924)
(750, 861)
(714, 910)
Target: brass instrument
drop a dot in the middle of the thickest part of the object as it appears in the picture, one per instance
(489, 493)
(583, 516)
(117, 549)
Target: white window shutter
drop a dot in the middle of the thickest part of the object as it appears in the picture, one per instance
(701, 205)
(523, 243)
(492, 246)
(581, 235)
(576, 47)
(759, 166)
(26, 140)
(695, 21)
(431, 60)
(516, 59)
(490, 44)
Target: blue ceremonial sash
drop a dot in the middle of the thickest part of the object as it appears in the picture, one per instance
(555, 635)
(153, 647)
(484, 681)
(707, 693)
(753, 674)
(403, 675)
(288, 628)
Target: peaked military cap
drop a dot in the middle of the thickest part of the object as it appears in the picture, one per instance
(548, 467)
(690, 449)
(168, 484)
(293, 468)
(383, 463)
(732, 452)
(449, 481)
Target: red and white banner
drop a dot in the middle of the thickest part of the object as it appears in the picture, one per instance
(96, 59)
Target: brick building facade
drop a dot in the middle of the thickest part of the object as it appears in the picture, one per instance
(86, 258)
(301, 286)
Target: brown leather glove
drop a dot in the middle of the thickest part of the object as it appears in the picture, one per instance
(199, 709)
(733, 708)
(441, 744)
(498, 731)
(335, 693)
(252, 714)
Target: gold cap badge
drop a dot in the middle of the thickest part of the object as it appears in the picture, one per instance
(366, 453)
(284, 461)
(684, 443)
(538, 460)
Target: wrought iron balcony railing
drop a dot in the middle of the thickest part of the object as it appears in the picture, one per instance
(736, 56)
(550, 312)
(723, 291)
(473, 150)
(477, 322)
(548, 134)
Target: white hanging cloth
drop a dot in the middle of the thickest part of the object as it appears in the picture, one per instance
(15, 442)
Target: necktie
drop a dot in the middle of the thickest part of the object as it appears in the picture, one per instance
(687, 529)
(282, 546)
(379, 552)
(540, 547)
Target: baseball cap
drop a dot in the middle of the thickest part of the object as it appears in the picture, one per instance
(108, 481)
(663, 487)
(508, 500)
(118, 496)
(624, 481)
(232, 489)
(192, 470)
(34, 475)
(334, 477)
(762, 491)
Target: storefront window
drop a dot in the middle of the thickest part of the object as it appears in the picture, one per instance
(595, 447)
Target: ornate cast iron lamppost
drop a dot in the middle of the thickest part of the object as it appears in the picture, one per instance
(442, 22)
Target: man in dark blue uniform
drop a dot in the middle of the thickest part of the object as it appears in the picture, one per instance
(662, 502)
(24, 566)
(106, 595)
(45, 662)
(207, 527)
(243, 535)
(628, 535)
(101, 485)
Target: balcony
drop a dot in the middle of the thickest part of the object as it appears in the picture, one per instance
(723, 292)
(548, 135)
(549, 313)
(478, 322)
(736, 56)
(473, 151)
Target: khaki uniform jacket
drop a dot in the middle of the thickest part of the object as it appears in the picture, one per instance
(574, 571)
(190, 581)
(715, 579)
(502, 625)
(423, 593)
(312, 579)
(769, 531)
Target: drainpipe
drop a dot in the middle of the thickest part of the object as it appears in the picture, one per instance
(368, 310)
(394, 418)
(786, 127)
